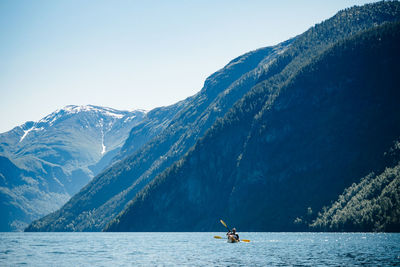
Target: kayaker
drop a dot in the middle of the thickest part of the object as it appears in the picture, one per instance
(233, 236)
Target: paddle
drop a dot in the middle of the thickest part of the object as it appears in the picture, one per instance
(226, 226)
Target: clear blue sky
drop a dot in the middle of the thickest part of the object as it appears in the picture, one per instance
(132, 54)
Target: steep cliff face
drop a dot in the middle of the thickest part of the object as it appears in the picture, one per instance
(101, 200)
(316, 133)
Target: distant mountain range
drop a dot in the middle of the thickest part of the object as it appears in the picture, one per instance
(44, 163)
(271, 139)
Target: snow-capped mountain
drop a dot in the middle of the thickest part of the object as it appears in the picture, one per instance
(58, 155)
(102, 118)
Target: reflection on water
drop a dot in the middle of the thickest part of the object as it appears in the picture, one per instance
(198, 249)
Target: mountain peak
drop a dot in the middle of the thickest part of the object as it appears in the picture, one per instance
(75, 109)
(72, 109)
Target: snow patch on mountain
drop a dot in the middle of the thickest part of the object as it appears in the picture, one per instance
(129, 118)
(118, 116)
(25, 134)
(103, 146)
(50, 119)
(102, 137)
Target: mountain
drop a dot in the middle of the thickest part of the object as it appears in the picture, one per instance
(44, 163)
(320, 117)
(108, 193)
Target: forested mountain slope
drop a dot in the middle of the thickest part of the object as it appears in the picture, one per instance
(372, 205)
(302, 135)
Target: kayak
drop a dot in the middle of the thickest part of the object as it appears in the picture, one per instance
(231, 239)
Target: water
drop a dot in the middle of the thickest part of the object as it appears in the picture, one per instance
(198, 249)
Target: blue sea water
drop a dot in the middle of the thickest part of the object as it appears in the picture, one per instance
(198, 249)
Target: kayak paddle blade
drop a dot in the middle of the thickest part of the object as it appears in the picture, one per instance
(224, 224)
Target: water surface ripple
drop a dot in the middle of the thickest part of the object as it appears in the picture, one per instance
(198, 249)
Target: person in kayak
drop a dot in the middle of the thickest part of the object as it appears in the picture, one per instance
(233, 236)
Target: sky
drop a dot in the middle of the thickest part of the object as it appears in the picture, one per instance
(132, 54)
